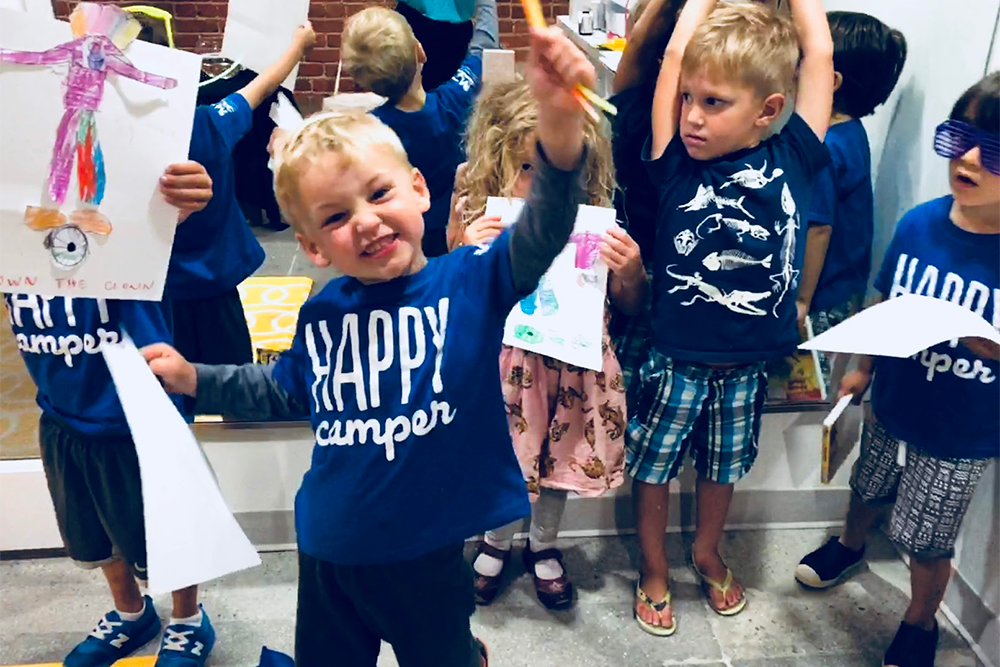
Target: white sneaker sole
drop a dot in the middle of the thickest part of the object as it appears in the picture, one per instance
(806, 576)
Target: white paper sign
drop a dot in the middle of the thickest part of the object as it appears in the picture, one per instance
(498, 66)
(191, 536)
(902, 327)
(564, 317)
(259, 31)
(113, 238)
(41, 8)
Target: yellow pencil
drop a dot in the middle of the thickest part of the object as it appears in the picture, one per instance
(536, 19)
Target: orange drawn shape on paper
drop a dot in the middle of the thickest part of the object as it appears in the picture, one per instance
(43, 219)
(91, 221)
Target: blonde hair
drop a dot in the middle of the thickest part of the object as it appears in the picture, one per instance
(351, 135)
(503, 121)
(379, 52)
(747, 42)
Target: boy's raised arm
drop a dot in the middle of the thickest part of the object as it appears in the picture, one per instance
(641, 51)
(486, 34)
(555, 68)
(666, 102)
(814, 101)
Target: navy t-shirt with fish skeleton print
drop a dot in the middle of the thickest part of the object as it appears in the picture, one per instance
(729, 240)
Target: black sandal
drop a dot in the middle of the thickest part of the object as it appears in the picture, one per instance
(486, 587)
(555, 594)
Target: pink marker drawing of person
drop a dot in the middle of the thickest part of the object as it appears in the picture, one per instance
(101, 32)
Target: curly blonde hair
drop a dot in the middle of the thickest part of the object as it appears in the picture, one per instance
(497, 138)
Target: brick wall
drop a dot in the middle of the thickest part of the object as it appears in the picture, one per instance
(195, 18)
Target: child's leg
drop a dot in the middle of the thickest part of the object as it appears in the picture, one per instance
(724, 443)
(420, 606)
(665, 400)
(503, 539)
(124, 588)
(933, 497)
(546, 515)
(329, 627)
(185, 604)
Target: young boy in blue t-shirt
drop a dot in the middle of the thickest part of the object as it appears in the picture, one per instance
(382, 55)
(216, 250)
(88, 456)
(412, 451)
(868, 57)
(725, 265)
(934, 426)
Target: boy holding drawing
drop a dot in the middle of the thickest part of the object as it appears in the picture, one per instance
(412, 454)
(216, 250)
(382, 55)
(725, 265)
(934, 426)
(89, 458)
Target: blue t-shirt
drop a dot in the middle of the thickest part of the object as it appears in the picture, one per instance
(215, 249)
(943, 400)
(727, 247)
(450, 11)
(842, 197)
(432, 136)
(60, 339)
(412, 448)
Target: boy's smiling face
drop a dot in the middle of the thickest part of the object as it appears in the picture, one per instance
(721, 117)
(363, 218)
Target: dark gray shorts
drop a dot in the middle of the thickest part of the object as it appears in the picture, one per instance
(95, 487)
(930, 495)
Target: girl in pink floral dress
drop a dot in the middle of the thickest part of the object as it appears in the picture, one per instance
(567, 423)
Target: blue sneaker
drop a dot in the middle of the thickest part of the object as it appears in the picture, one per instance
(187, 645)
(113, 639)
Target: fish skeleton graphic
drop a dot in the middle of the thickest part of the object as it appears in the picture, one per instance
(728, 260)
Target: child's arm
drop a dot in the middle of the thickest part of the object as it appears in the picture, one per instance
(857, 381)
(817, 242)
(486, 34)
(628, 283)
(666, 101)
(555, 67)
(814, 100)
(268, 81)
(641, 53)
(242, 392)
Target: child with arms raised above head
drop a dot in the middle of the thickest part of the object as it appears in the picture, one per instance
(412, 454)
(725, 265)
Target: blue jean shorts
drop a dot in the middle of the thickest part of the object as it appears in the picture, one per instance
(714, 412)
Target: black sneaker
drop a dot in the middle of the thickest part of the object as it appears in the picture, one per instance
(912, 647)
(828, 565)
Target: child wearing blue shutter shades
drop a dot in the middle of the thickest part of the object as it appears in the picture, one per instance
(936, 411)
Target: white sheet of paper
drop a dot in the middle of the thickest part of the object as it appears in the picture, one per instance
(259, 31)
(41, 8)
(191, 536)
(564, 318)
(141, 129)
(498, 66)
(901, 327)
(285, 115)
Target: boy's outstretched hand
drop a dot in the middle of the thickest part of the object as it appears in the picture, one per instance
(304, 36)
(187, 186)
(555, 68)
(176, 372)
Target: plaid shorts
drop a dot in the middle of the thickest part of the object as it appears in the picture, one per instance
(677, 405)
(930, 495)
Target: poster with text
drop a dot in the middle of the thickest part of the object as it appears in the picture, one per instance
(259, 31)
(90, 120)
(564, 317)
